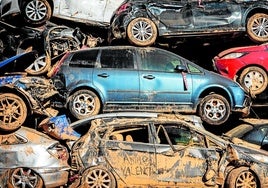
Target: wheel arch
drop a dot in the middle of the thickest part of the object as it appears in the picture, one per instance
(247, 66)
(254, 10)
(90, 89)
(215, 90)
(26, 100)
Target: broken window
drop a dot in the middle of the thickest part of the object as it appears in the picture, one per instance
(84, 59)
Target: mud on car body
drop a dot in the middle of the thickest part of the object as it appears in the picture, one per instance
(30, 158)
(143, 22)
(163, 151)
(127, 78)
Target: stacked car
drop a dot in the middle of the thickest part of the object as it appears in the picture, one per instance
(77, 110)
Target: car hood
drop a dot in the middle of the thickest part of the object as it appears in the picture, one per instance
(248, 153)
(244, 49)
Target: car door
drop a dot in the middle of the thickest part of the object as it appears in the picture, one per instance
(183, 158)
(211, 14)
(97, 11)
(117, 77)
(132, 159)
(160, 84)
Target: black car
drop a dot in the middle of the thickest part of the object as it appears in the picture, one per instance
(252, 130)
(142, 22)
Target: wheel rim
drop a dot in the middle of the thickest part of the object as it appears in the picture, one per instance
(142, 31)
(11, 111)
(98, 178)
(38, 65)
(24, 178)
(215, 109)
(254, 80)
(246, 179)
(84, 104)
(260, 27)
(36, 10)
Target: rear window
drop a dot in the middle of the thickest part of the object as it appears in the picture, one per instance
(117, 58)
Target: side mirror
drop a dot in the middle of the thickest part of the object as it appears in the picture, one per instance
(180, 68)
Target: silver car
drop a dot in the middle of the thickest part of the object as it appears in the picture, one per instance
(32, 159)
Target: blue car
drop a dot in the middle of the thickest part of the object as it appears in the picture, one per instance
(128, 78)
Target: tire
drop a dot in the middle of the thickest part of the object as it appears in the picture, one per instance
(253, 79)
(241, 177)
(24, 177)
(98, 177)
(36, 12)
(214, 109)
(39, 66)
(13, 111)
(84, 103)
(141, 32)
(257, 27)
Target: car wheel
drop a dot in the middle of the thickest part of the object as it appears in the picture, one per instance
(214, 109)
(253, 79)
(13, 111)
(25, 177)
(241, 177)
(84, 103)
(141, 32)
(36, 12)
(98, 177)
(257, 27)
(39, 66)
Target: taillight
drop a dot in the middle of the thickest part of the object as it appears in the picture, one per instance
(58, 151)
(122, 8)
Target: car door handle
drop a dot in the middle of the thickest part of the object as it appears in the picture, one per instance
(149, 77)
(104, 75)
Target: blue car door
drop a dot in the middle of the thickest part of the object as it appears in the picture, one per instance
(160, 83)
(116, 77)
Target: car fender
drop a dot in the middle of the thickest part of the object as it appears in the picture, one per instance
(10, 88)
(84, 84)
(252, 9)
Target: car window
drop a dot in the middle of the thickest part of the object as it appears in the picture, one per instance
(256, 136)
(117, 59)
(193, 69)
(154, 60)
(139, 134)
(178, 135)
(84, 58)
(12, 139)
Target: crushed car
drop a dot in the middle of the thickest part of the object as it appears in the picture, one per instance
(30, 158)
(162, 151)
(127, 78)
(143, 22)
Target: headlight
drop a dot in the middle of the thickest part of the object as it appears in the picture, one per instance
(233, 55)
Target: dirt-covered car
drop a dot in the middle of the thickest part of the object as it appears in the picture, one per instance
(143, 22)
(128, 78)
(30, 158)
(163, 151)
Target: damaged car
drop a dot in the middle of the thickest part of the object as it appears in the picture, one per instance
(143, 22)
(128, 78)
(162, 151)
(30, 158)
(23, 96)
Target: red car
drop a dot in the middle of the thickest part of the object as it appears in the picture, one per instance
(247, 65)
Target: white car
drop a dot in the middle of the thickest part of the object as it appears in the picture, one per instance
(37, 12)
